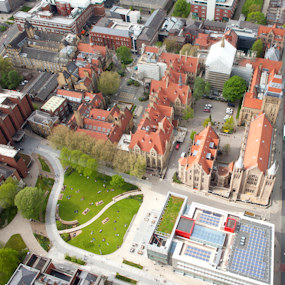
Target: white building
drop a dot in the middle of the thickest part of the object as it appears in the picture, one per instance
(219, 63)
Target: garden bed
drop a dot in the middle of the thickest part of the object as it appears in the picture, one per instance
(44, 165)
(43, 241)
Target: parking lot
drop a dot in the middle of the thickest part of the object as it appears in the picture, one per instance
(218, 112)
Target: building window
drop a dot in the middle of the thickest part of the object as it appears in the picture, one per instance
(252, 179)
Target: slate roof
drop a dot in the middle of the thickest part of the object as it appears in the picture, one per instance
(23, 275)
(18, 41)
(109, 31)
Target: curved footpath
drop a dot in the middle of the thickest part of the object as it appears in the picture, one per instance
(123, 196)
(95, 263)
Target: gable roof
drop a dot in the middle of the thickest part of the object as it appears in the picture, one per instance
(201, 148)
(258, 144)
(69, 93)
(274, 30)
(220, 58)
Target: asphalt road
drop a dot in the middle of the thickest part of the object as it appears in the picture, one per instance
(7, 36)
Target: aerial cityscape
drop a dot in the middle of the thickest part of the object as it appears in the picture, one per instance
(141, 142)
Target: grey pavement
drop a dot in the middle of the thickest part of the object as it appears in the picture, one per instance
(22, 226)
(7, 36)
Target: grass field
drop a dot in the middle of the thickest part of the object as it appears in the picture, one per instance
(170, 215)
(44, 165)
(79, 201)
(122, 212)
(7, 215)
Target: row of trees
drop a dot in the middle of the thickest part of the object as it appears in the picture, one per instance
(103, 152)
(252, 10)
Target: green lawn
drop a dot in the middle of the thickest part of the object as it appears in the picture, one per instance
(44, 165)
(79, 201)
(7, 215)
(46, 185)
(26, 8)
(122, 212)
(170, 215)
(16, 242)
(132, 264)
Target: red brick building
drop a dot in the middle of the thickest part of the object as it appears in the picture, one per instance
(68, 18)
(213, 10)
(112, 38)
(56, 106)
(11, 157)
(15, 108)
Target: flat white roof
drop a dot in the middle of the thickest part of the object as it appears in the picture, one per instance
(53, 103)
(7, 150)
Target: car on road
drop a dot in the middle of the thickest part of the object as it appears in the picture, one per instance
(231, 104)
(208, 106)
(177, 146)
(207, 110)
(226, 117)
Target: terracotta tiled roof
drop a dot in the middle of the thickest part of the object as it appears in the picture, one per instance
(171, 92)
(156, 138)
(258, 144)
(99, 114)
(151, 49)
(201, 148)
(266, 63)
(95, 135)
(83, 47)
(250, 102)
(71, 94)
(267, 30)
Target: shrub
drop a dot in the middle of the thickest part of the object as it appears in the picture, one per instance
(136, 83)
(176, 179)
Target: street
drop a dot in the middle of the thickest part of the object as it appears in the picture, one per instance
(7, 36)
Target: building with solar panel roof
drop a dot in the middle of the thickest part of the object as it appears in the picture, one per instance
(211, 244)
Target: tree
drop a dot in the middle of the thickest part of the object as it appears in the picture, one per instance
(257, 18)
(139, 167)
(192, 135)
(234, 88)
(117, 181)
(258, 47)
(158, 44)
(91, 167)
(14, 79)
(124, 54)
(109, 82)
(188, 113)
(65, 155)
(171, 46)
(254, 8)
(5, 65)
(8, 192)
(29, 202)
(201, 87)
(74, 158)
(58, 135)
(283, 26)
(207, 121)
(189, 50)
(121, 161)
(181, 9)
(9, 261)
(229, 124)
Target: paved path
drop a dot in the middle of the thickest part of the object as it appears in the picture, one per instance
(125, 195)
(22, 226)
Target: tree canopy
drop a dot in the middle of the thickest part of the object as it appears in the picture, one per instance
(189, 49)
(207, 121)
(29, 202)
(181, 9)
(139, 167)
(188, 113)
(201, 87)
(109, 82)
(8, 191)
(257, 18)
(124, 54)
(229, 124)
(117, 181)
(234, 88)
(192, 135)
(171, 46)
(9, 261)
(251, 6)
(258, 47)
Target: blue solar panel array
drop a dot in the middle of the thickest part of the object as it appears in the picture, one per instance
(209, 219)
(208, 236)
(249, 260)
(198, 253)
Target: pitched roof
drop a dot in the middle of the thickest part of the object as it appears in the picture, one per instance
(267, 30)
(70, 94)
(151, 49)
(258, 143)
(265, 63)
(148, 137)
(87, 48)
(201, 148)
(221, 57)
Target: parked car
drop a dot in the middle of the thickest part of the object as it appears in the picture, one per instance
(177, 146)
(226, 117)
(183, 154)
(208, 105)
(229, 111)
(231, 104)
(207, 110)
